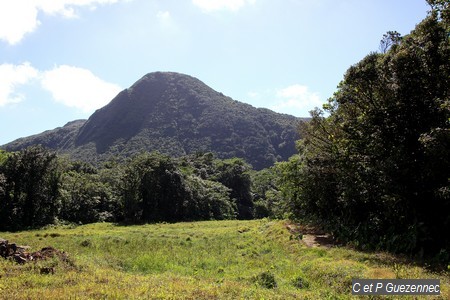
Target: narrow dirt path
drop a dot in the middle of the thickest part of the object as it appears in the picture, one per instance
(311, 237)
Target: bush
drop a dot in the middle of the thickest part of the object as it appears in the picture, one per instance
(266, 279)
(300, 283)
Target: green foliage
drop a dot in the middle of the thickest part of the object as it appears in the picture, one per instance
(86, 199)
(390, 39)
(441, 10)
(266, 279)
(89, 194)
(159, 188)
(29, 189)
(209, 200)
(300, 282)
(152, 189)
(376, 170)
(289, 175)
(267, 196)
(234, 174)
(3, 156)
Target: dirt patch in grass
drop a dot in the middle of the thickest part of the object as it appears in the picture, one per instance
(21, 254)
(311, 236)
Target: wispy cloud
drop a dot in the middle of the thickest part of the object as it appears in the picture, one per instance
(163, 16)
(216, 5)
(17, 18)
(296, 99)
(78, 88)
(13, 76)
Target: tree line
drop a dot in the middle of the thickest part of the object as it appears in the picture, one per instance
(37, 187)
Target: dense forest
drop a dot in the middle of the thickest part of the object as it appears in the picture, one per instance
(37, 188)
(373, 167)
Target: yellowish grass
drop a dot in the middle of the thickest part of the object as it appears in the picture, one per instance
(198, 260)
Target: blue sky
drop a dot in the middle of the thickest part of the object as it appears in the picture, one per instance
(60, 60)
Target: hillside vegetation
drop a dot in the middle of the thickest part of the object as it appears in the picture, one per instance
(257, 259)
(177, 115)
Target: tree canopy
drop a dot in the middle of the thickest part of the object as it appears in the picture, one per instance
(37, 187)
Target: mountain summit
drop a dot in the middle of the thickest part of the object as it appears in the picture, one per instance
(175, 114)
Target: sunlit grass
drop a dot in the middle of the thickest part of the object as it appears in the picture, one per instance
(199, 260)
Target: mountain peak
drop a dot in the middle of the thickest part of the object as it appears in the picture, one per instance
(156, 97)
(166, 77)
(178, 114)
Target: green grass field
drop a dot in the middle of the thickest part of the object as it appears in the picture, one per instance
(257, 259)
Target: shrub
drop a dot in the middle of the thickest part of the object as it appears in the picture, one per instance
(266, 279)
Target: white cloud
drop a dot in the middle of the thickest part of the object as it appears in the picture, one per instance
(13, 76)
(78, 88)
(163, 15)
(72, 86)
(296, 99)
(215, 5)
(19, 17)
(66, 8)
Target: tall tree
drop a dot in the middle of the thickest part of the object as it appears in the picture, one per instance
(234, 174)
(31, 196)
(153, 189)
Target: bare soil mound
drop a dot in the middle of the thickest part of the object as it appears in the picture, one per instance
(21, 254)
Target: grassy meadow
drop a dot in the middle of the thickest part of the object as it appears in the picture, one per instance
(258, 259)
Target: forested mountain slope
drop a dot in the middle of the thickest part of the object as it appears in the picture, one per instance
(175, 114)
